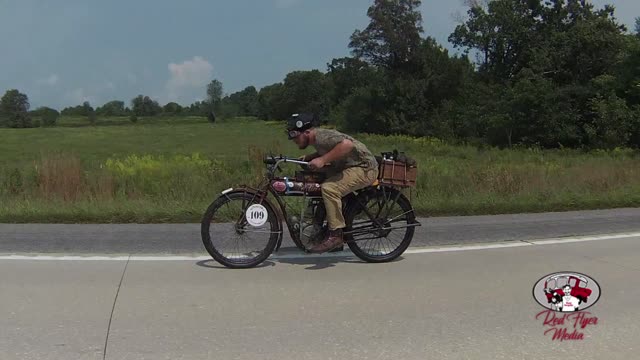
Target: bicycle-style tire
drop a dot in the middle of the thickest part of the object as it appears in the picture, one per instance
(272, 230)
(366, 249)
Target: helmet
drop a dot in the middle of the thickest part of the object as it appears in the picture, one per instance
(298, 123)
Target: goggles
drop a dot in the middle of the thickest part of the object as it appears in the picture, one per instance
(292, 134)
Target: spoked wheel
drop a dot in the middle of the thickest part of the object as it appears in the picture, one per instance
(229, 237)
(385, 230)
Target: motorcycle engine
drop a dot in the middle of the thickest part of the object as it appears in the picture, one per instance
(313, 228)
(312, 233)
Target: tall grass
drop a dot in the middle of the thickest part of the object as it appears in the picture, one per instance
(163, 172)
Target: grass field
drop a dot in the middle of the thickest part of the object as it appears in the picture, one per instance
(170, 169)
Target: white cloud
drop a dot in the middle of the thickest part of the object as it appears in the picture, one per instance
(51, 80)
(285, 4)
(195, 73)
(78, 96)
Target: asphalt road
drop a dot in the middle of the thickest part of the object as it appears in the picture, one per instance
(473, 304)
(464, 302)
(185, 238)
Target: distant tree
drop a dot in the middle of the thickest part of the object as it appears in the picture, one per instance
(145, 106)
(172, 108)
(306, 91)
(198, 108)
(228, 108)
(637, 28)
(78, 110)
(392, 37)
(546, 69)
(347, 74)
(214, 98)
(627, 72)
(112, 108)
(248, 101)
(241, 103)
(214, 91)
(271, 102)
(48, 115)
(14, 109)
(90, 112)
(556, 38)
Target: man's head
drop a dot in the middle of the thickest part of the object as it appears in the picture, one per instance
(299, 128)
(566, 290)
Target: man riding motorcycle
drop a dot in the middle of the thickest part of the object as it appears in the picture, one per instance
(352, 167)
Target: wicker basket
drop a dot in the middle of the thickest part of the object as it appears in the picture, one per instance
(397, 174)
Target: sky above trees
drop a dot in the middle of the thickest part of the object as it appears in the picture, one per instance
(64, 53)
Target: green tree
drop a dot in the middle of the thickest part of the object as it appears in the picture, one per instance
(14, 109)
(570, 41)
(306, 91)
(198, 108)
(637, 27)
(214, 91)
(628, 72)
(241, 103)
(214, 99)
(407, 103)
(271, 102)
(227, 108)
(78, 110)
(172, 108)
(247, 101)
(137, 105)
(545, 58)
(363, 110)
(145, 106)
(90, 112)
(48, 116)
(112, 108)
(347, 74)
(609, 123)
(502, 33)
(393, 35)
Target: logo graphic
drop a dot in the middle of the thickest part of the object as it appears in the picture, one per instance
(565, 296)
(279, 186)
(566, 292)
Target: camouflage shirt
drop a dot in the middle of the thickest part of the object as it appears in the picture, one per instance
(360, 156)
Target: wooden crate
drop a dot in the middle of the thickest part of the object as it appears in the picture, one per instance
(397, 174)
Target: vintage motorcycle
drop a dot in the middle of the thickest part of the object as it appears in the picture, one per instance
(242, 227)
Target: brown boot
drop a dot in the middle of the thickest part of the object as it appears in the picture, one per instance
(333, 241)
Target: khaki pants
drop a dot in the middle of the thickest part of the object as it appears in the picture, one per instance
(336, 187)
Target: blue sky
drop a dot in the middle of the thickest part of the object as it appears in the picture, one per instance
(64, 52)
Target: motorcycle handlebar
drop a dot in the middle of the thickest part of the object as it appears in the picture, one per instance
(273, 160)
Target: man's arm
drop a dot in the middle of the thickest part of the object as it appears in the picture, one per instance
(310, 157)
(338, 151)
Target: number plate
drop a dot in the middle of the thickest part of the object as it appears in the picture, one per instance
(257, 215)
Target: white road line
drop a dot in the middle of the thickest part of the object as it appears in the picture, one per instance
(565, 240)
(344, 254)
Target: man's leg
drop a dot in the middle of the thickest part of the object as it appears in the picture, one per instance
(333, 189)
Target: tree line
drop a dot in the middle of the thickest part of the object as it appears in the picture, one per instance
(554, 73)
(15, 113)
